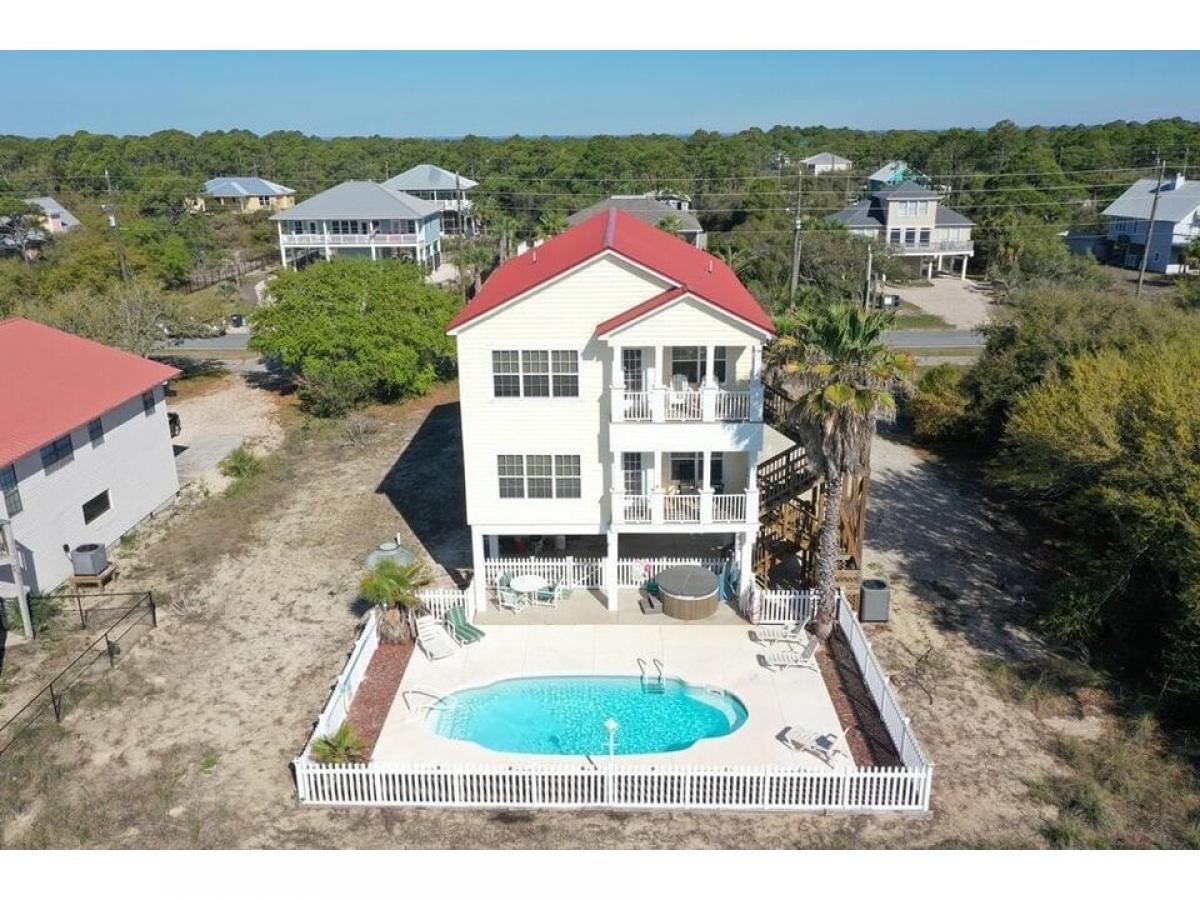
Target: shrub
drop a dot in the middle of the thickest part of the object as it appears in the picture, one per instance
(330, 390)
(938, 404)
(241, 464)
(343, 746)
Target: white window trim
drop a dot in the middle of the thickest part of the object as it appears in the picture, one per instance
(554, 474)
(550, 373)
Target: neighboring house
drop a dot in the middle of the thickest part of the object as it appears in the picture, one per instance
(653, 208)
(85, 447)
(361, 218)
(610, 383)
(824, 163)
(56, 220)
(1176, 224)
(245, 194)
(894, 173)
(448, 191)
(911, 220)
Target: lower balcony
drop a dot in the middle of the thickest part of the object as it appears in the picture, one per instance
(685, 508)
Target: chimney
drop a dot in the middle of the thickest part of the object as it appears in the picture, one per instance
(1176, 183)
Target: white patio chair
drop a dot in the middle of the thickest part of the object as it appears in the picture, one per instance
(780, 634)
(507, 598)
(435, 642)
(778, 660)
(825, 745)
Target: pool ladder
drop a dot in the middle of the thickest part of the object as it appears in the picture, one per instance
(657, 685)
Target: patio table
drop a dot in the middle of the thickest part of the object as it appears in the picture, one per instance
(528, 585)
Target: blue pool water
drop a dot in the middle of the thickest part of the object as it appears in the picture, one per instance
(565, 715)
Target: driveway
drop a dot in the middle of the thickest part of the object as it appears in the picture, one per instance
(961, 303)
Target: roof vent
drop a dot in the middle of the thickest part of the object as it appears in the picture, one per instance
(710, 268)
(534, 254)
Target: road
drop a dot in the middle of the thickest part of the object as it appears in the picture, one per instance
(228, 341)
(930, 340)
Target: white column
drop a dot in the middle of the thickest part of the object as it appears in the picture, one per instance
(710, 359)
(656, 491)
(372, 250)
(616, 391)
(706, 493)
(963, 275)
(282, 251)
(611, 566)
(745, 564)
(479, 578)
(616, 491)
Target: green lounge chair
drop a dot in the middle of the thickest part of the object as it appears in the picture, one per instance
(464, 631)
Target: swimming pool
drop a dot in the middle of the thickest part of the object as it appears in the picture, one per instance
(566, 715)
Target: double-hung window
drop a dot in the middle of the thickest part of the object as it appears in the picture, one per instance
(148, 402)
(539, 476)
(925, 232)
(535, 373)
(58, 453)
(11, 490)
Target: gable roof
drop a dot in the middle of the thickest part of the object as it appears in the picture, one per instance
(694, 271)
(239, 186)
(52, 207)
(908, 190)
(825, 159)
(427, 177)
(55, 382)
(1176, 201)
(359, 200)
(862, 214)
(645, 208)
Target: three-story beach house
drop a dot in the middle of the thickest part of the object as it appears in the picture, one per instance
(611, 385)
(361, 218)
(448, 191)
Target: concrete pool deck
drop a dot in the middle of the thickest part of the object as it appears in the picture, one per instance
(720, 655)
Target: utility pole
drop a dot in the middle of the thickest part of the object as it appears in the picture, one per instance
(796, 238)
(111, 209)
(867, 292)
(1162, 167)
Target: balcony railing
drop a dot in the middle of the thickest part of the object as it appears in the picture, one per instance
(933, 247)
(706, 404)
(351, 240)
(703, 508)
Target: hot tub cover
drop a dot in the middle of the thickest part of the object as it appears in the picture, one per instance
(687, 582)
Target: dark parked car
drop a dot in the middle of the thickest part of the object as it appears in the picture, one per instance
(176, 425)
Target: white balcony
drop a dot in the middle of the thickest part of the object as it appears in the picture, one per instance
(695, 508)
(350, 240)
(705, 404)
(932, 248)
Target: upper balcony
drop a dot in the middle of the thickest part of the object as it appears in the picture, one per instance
(931, 248)
(705, 403)
(378, 239)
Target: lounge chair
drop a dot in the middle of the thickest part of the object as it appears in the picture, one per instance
(826, 745)
(780, 634)
(433, 639)
(507, 598)
(793, 659)
(462, 630)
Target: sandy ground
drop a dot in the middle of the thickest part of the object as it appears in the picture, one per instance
(961, 303)
(191, 748)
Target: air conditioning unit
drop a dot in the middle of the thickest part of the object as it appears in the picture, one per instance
(89, 559)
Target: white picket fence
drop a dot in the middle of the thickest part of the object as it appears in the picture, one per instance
(344, 688)
(613, 786)
(782, 607)
(633, 573)
(897, 723)
(438, 601)
(577, 571)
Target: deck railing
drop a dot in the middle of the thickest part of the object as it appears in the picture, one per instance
(634, 573)
(696, 508)
(341, 240)
(708, 403)
(684, 406)
(637, 508)
(576, 571)
(729, 507)
(733, 406)
(613, 785)
(637, 405)
(681, 508)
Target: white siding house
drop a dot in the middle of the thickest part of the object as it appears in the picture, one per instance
(610, 384)
(826, 163)
(449, 191)
(1176, 223)
(85, 447)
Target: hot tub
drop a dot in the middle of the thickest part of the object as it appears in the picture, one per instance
(688, 592)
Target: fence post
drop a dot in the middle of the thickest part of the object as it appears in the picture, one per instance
(153, 609)
(112, 652)
(55, 704)
(571, 579)
(79, 606)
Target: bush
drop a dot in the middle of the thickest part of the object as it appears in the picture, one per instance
(939, 403)
(241, 464)
(343, 746)
(332, 390)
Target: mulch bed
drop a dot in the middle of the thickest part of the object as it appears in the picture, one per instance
(868, 738)
(373, 699)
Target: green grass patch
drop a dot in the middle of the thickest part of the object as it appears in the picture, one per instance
(243, 466)
(1049, 687)
(909, 316)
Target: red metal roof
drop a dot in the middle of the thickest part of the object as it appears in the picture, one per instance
(701, 274)
(52, 382)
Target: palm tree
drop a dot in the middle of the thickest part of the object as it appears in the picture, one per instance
(842, 379)
(393, 587)
(471, 257)
(736, 258)
(552, 222)
(671, 225)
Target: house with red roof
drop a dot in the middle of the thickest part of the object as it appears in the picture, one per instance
(85, 448)
(612, 404)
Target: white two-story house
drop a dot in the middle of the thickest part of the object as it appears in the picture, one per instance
(448, 191)
(1176, 224)
(911, 220)
(611, 385)
(361, 218)
(85, 448)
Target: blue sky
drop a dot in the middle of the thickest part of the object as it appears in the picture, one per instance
(501, 93)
